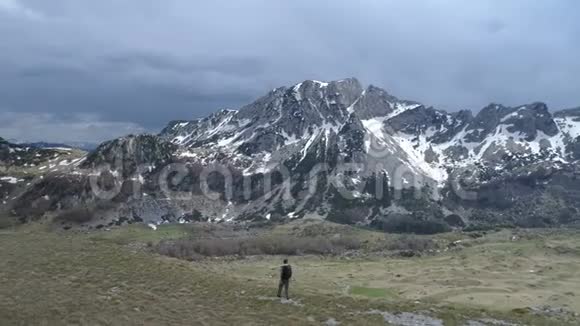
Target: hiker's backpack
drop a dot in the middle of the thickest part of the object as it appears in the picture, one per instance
(286, 272)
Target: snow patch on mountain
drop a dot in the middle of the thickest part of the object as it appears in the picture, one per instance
(11, 180)
(399, 108)
(415, 149)
(570, 126)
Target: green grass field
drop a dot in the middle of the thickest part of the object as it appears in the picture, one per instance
(113, 278)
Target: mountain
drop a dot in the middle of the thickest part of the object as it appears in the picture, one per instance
(22, 166)
(13, 156)
(334, 150)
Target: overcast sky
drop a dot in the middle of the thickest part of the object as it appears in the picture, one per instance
(86, 70)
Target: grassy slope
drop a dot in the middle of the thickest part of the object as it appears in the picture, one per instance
(495, 274)
(57, 279)
(106, 278)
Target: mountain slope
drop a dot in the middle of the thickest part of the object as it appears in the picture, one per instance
(343, 152)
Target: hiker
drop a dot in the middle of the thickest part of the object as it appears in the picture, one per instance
(285, 275)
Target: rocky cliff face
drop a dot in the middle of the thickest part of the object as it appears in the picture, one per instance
(342, 152)
(127, 154)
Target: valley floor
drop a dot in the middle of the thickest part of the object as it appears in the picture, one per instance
(114, 278)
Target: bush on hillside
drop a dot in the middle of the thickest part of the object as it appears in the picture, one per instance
(76, 216)
(410, 243)
(195, 249)
(408, 224)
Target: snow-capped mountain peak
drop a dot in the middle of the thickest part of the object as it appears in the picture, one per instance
(349, 141)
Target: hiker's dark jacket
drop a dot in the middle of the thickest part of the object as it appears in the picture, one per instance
(286, 272)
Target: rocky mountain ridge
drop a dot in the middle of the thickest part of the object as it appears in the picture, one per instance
(373, 158)
(288, 116)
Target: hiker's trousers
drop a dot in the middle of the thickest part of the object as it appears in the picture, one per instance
(283, 284)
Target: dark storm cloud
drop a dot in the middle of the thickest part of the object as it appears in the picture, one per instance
(132, 65)
(234, 65)
(144, 89)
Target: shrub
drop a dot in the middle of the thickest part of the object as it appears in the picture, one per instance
(454, 220)
(408, 224)
(195, 249)
(348, 215)
(410, 243)
(85, 213)
(76, 215)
